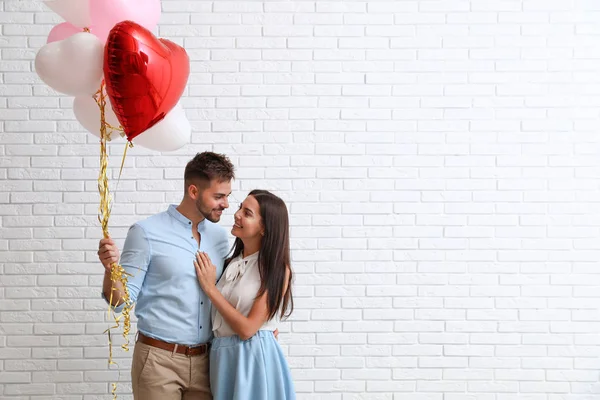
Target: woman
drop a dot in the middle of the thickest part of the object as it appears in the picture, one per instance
(254, 292)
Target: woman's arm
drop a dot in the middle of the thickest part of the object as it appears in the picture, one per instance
(244, 327)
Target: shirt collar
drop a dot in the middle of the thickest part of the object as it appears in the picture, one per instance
(172, 210)
(251, 257)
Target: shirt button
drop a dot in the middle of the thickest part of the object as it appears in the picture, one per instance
(200, 327)
(189, 223)
(201, 302)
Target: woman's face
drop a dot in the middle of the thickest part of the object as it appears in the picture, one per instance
(247, 220)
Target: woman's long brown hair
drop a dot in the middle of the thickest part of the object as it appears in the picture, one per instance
(274, 254)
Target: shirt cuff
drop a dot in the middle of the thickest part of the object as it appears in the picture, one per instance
(117, 309)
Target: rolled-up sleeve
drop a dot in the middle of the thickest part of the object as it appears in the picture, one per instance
(135, 259)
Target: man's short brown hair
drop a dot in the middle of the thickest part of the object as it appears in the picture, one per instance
(207, 166)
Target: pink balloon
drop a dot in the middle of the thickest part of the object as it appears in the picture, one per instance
(107, 13)
(62, 31)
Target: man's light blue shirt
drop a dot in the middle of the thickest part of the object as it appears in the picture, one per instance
(159, 252)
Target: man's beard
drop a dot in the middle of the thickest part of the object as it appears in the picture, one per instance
(207, 214)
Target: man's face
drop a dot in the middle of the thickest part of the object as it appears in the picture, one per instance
(213, 200)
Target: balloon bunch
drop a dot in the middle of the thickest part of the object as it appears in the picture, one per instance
(125, 80)
(144, 77)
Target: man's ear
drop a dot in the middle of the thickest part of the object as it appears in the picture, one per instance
(192, 191)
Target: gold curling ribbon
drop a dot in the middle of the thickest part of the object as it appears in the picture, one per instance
(118, 273)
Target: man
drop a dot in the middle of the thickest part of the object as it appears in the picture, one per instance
(170, 358)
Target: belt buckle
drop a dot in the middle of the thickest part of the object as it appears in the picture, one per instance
(200, 348)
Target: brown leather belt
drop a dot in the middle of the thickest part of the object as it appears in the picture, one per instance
(189, 351)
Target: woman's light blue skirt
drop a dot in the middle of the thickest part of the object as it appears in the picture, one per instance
(253, 369)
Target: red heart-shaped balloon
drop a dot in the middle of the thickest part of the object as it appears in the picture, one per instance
(144, 76)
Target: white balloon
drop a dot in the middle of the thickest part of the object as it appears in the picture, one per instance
(76, 12)
(88, 114)
(72, 66)
(171, 133)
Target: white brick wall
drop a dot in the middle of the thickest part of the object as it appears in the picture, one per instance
(440, 162)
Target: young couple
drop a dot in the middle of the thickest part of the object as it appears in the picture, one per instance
(207, 317)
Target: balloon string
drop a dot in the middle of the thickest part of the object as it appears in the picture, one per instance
(127, 145)
(117, 274)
